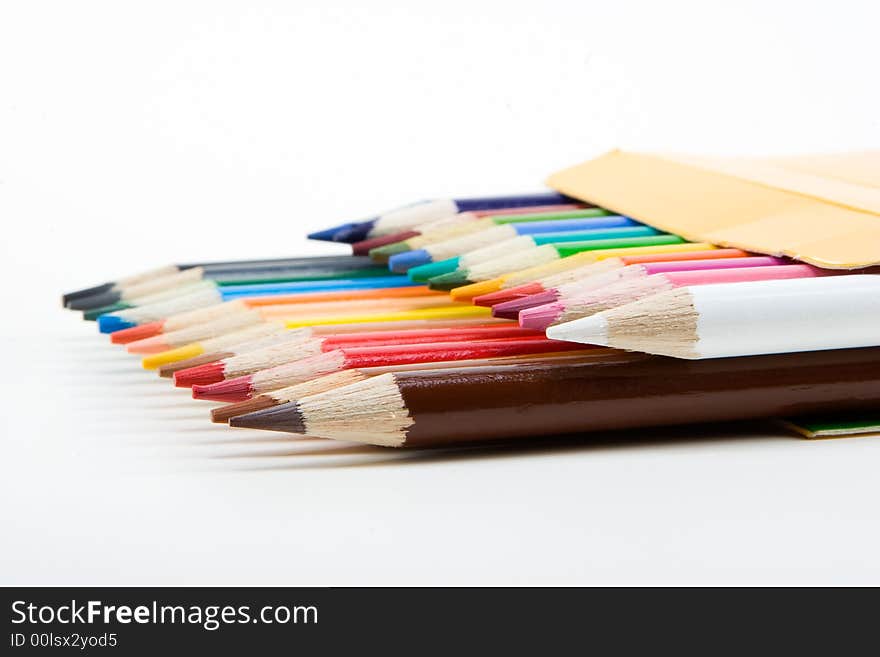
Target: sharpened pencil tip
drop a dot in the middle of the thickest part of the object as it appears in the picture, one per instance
(354, 233)
(505, 313)
(152, 345)
(231, 390)
(139, 332)
(467, 292)
(112, 323)
(513, 309)
(94, 313)
(225, 413)
(202, 375)
(326, 235)
(167, 371)
(510, 294)
(586, 330)
(67, 297)
(95, 300)
(384, 253)
(540, 317)
(424, 273)
(403, 262)
(286, 417)
(449, 281)
(366, 246)
(156, 359)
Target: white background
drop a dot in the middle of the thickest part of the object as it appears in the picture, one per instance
(137, 134)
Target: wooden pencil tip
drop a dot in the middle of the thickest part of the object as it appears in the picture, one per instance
(286, 417)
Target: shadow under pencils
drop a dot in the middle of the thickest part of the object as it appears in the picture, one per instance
(660, 437)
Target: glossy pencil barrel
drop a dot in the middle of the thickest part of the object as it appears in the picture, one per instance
(636, 391)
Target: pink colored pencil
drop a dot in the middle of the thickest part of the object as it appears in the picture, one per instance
(593, 267)
(627, 291)
(511, 309)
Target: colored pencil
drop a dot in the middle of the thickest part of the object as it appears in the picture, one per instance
(530, 274)
(459, 311)
(245, 387)
(412, 409)
(273, 289)
(177, 322)
(365, 247)
(225, 413)
(227, 291)
(593, 268)
(118, 320)
(411, 215)
(249, 316)
(217, 312)
(740, 319)
(617, 294)
(227, 346)
(501, 246)
(540, 255)
(612, 275)
(92, 314)
(133, 296)
(279, 354)
(515, 237)
(493, 230)
(525, 246)
(133, 293)
(448, 231)
(211, 267)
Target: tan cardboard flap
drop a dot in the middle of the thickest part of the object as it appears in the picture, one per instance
(824, 210)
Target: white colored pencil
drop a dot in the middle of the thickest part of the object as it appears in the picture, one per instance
(740, 319)
(406, 217)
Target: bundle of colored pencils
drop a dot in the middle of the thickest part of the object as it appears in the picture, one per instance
(461, 320)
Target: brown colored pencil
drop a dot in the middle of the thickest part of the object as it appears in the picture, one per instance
(449, 408)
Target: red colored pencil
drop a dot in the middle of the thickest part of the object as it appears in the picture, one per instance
(244, 387)
(274, 355)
